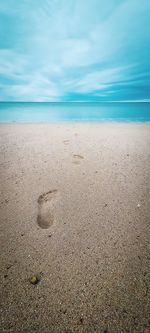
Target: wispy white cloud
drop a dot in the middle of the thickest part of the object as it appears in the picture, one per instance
(103, 79)
(31, 92)
(12, 64)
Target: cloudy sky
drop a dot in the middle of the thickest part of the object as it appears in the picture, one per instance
(74, 50)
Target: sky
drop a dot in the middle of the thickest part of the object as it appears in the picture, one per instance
(74, 50)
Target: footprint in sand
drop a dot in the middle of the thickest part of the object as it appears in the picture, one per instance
(66, 142)
(45, 216)
(77, 158)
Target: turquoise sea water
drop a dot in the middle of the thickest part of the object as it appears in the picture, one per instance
(73, 112)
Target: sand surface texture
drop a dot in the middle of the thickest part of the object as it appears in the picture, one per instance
(74, 212)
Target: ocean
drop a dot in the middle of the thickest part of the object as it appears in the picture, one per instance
(37, 112)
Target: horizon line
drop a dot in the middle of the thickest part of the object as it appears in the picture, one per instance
(100, 102)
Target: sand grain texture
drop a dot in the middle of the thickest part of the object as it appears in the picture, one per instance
(75, 210)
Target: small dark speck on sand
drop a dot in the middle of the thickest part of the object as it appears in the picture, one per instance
(50, 235)
(106, 205)
(5, 276)
(81, 320)
(8, 267)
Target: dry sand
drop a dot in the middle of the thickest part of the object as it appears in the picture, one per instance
(75, 212)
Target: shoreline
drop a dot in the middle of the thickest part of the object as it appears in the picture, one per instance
(105, 122)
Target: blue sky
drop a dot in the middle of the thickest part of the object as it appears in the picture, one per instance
(74, 50)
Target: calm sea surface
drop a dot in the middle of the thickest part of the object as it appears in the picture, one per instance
(73, 112)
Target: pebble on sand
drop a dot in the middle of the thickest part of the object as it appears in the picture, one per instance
(34, 279)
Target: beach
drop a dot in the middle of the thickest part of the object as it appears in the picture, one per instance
(75, 213)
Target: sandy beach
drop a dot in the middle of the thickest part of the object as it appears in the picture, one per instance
(75, 212)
